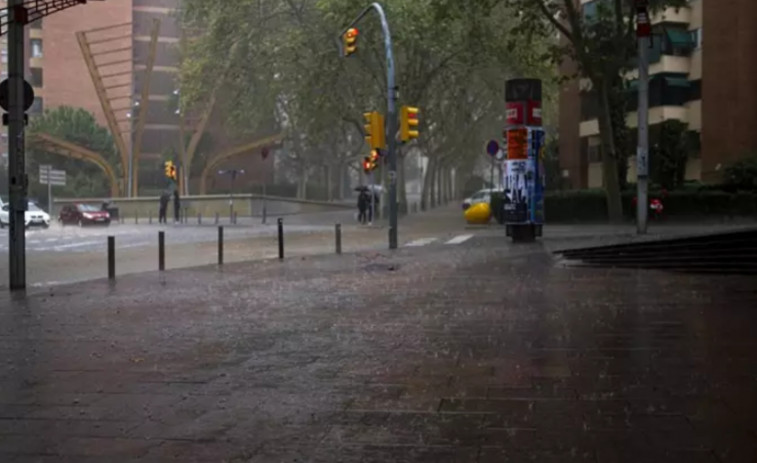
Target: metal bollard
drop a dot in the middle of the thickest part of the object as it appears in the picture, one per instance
(111, 257)
(149, 219)
(216, 218)
(121, 218)
(220, 245)
(161, 251)
(186, 215)
(281, 238)
(199, 219)
(236, 215)
(136, 218)
(338, 230)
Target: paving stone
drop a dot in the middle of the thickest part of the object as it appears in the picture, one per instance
(471, 353)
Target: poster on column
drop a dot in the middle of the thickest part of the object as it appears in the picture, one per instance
(518, 175)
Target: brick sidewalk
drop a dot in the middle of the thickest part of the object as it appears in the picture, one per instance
(483, 352)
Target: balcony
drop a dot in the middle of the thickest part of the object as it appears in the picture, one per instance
(656, 116)
(673, 15)
(659, 114)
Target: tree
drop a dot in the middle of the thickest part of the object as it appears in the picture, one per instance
(77, 126)
(670, 153)
(602, 44)
(284, 71)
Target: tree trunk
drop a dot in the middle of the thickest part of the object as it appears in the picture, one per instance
(340, 178)
(609, 157)
(401, 186)
(329, 183)
(426, 188)
(445, 192)
(432, 167)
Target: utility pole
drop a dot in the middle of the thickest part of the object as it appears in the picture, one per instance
(643, 33)
(16, 156)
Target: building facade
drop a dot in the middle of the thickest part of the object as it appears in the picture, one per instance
(706, 84)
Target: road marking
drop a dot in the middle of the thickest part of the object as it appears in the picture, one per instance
(459, 239)
(420, 242)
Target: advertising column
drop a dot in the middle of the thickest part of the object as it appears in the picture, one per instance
(523, 173)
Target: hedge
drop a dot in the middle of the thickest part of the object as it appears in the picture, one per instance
(591, 205)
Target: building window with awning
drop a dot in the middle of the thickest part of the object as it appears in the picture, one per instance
(664, 90)
(678, 41)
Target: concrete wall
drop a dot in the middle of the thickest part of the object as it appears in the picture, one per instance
(209, 205)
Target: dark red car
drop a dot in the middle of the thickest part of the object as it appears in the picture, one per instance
(83, 214)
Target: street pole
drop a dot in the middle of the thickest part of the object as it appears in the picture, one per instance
(373, 197)
(265, 182)
(49, 191)
(391, 115)
(491, 172)
(16, 157)
(642, 152)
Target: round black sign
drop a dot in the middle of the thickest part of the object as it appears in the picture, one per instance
(5, 95)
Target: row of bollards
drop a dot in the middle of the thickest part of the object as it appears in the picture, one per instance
(162, 247)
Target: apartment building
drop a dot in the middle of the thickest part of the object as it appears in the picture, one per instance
(119, 33)
(706, 83)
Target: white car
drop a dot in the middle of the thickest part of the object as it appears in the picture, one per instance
(481, 196)
(33, 217)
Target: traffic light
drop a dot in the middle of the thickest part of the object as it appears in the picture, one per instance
(375, 134)
(170, 170)
(350, 41)
(370, 162)
(408, 123)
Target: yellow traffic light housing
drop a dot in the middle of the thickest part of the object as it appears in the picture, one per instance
(170, 170)
(408, 123)
(350, 41)
(375, 134)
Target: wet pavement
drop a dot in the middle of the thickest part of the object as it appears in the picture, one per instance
(478, 352)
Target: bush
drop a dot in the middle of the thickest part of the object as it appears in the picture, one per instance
(591, 205)
(742, 175)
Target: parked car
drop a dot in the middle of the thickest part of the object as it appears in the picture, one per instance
(481, 196)
(83, 214)
(33, 217)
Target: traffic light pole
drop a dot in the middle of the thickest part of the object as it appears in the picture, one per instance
(16, 157)
(391, 115)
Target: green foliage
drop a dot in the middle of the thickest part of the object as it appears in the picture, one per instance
(590, 205)
(78, 126)
(669, 155)
(284, 71)
(742, 174)
(599, 37)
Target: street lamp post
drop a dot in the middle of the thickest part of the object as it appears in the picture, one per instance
(233, 173)
(643, 33)
(391, 114)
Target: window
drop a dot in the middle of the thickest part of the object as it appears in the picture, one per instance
(36, 47)
(696, 90)
(696, 36)
(4, 55)
(37, 24)
(37, 106)
(36, 77)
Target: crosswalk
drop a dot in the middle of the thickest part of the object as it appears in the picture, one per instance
(460, 239)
